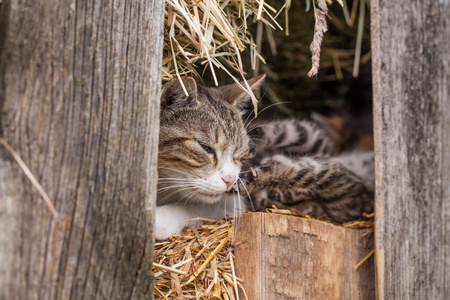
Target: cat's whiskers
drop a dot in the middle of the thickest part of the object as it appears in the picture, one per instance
(234, 210)
(207, 188)
(163, 189)
(166, 182)
(218, 207)
(163, 185)
(248, 122)
(260, 125)
(236, 221)
(260, 140)
(253, 112)
(175, 170)
(173, 178)
(253, 139)
(173, 193)
(189, 196)
(193, 184)
(248, 194)
(196, 182)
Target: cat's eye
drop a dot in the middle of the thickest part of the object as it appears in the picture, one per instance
(208, 149)
(275, 196)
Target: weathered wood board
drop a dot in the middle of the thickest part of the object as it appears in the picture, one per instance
(79, 87)
(286, 257)
(411, 85)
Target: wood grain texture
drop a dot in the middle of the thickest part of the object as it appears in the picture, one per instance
(79, 86)
(286, 257)
(411, 82)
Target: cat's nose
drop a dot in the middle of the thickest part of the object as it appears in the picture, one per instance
(228, 173)
(229, 180)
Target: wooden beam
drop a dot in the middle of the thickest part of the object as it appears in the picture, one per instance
(411, 85)
(79, 87)
(286, 257)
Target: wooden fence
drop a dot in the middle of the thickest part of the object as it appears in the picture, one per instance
(79, 86)
(79, 82)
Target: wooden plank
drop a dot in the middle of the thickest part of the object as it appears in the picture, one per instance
(79, 86)
(411, 84)
(286, 257)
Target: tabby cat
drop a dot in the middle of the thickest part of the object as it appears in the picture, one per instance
(289, 136)
(202, 145)
(303, 175)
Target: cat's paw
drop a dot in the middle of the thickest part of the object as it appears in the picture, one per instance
(167, 222)
(163, 232)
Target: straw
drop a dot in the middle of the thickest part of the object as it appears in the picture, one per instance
(199, 262)
(32, 178)
(215, 34)
(364, 259)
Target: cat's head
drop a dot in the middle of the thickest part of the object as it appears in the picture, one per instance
(202, 141)
(272, 184)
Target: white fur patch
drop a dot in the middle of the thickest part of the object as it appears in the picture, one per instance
(170, 219)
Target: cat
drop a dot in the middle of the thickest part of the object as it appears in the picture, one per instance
(298, 167)
(290, 136)
(202, 146)
(339, 186)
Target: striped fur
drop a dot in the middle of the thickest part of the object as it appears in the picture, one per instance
(291, 137)
(341, 186)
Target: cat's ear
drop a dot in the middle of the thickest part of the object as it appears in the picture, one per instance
(173, 94)
(236, 96)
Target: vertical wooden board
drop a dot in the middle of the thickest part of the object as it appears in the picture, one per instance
(79, 88)
(285, 257)
(411, 82)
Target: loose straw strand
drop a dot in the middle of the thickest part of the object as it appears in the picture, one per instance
(234, 276)
(210, 257)
(364, 259)
(166, 268)
(31, 177)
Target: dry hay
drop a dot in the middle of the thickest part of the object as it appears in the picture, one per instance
(199, 262)
(366, 222)
(212, 34)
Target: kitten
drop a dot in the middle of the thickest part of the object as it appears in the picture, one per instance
(291, 137)
(341, 186)
(202, 145)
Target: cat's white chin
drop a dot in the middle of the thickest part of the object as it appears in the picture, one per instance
(206, 198)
